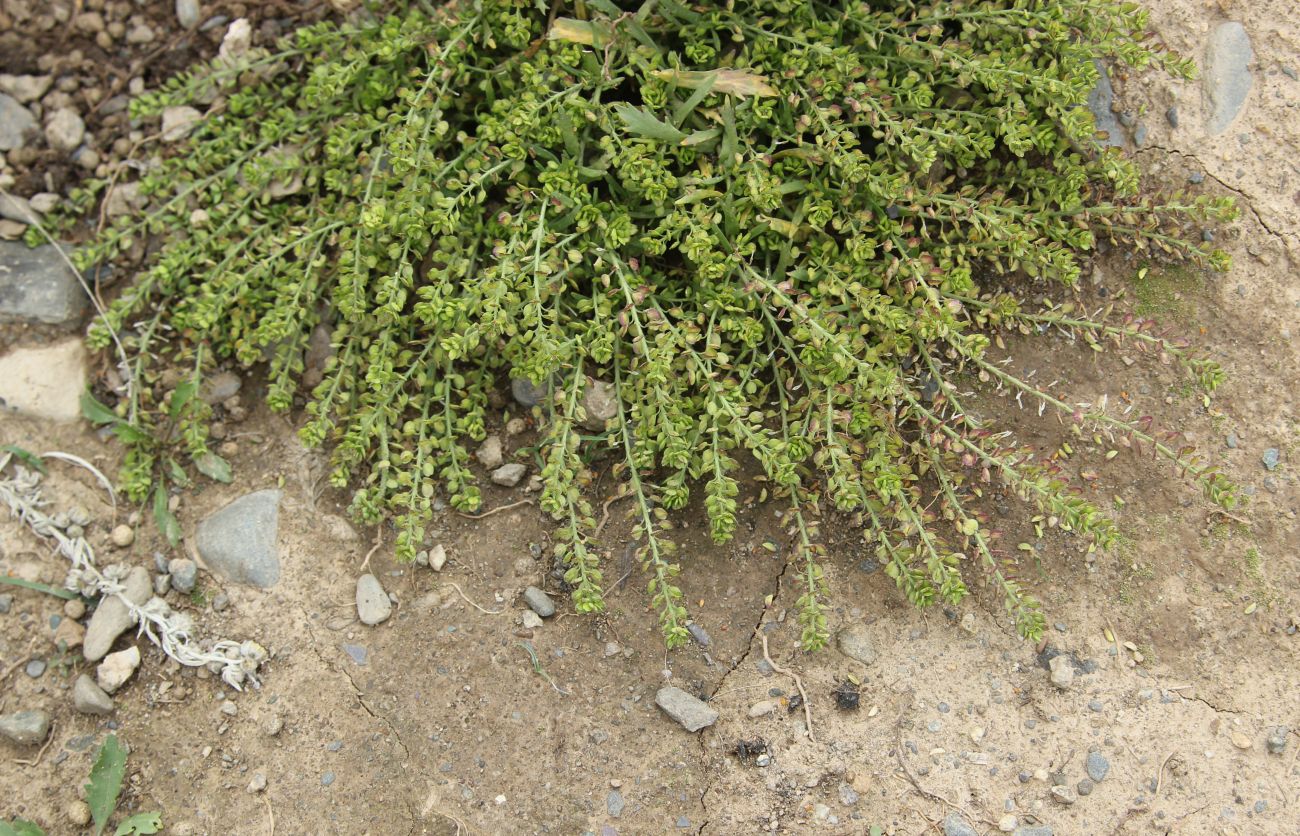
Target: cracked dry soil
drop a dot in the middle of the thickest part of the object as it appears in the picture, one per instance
(446, 727)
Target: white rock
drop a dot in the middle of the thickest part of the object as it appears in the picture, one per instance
(1062, 671)
(64, 129)
(178, 121)
(123, 536)
(508, 475)
(20, 209)
(373, 606)
(599, 404)
(530, 620)
(490, 453)
(239, 37)
(188, 13)
(44, 382)
(762, 708)
(437, 557)
(124, 199)
(25, 88)
(117, 668)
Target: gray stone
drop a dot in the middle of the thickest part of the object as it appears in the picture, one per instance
(16, 123)
(1064, 795)
(1171, 116)
(528, 393)
(1272, 458)
(357, 653)
(490, 453)
(36, 285)
(539, 602)
(530, 620)
(1085, 787)
(1062, 671)
(239, 541)
(955, 825)
(855, 642)
(373, 606)
(112, 617)
(614, 803)
(6, 603)
(220, 386)
(26, 728)
(178, 121)
(1099, 102)
(1277, 740)
(1097, 766)
(188, 13)
(508, 475)
(20, 209)
(89, 698)
(1036, 830)
(1227, 78)
(701, 636)
(124, 199)
(690, 712)
(35, 668)
(25, 88)
(64, 129)
(600, 404)
(184, 573)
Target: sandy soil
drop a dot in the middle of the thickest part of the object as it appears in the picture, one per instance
(446, 728)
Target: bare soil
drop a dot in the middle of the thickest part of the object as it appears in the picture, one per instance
(446, 728)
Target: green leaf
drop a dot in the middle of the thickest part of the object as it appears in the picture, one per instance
(177, 473)
(20, 827)
(214, 467)
(181, 396)
(643, 123)
(140, 823)
(65, 594)
(95, 411)
(106, 782)
(167, 523)
(28, 458)
(130, 434)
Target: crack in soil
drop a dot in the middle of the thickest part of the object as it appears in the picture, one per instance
(749, 649)
(1246, 198)
(357, 693)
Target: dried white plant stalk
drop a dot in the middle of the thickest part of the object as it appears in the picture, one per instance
(171, 631)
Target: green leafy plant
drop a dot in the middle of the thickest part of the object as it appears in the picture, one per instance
(102, 792)
(776, 229)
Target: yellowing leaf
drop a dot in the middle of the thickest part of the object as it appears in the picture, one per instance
(735, 82)
(579, 32)
(969, 527)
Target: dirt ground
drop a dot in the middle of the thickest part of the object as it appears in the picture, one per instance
(1189, 629)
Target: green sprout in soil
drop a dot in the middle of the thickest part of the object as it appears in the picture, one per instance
(777, 230)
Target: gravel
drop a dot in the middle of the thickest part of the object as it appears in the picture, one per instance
(527, 393)
(89, 698)
(1272, 458)
(692, 714)
(239, 541)
(112, 618)
(35, 668)
(373, 606)
(64, 130)
(701, 636)
(178, 121)
(1097, 766)
(539, 602)
(357, 653)
(25, 88)
(117, 668)
(26, 728)
(614, 803)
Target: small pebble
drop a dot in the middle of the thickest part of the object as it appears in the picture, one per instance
(1272, 458)
(1277, 740)
(1085, 786)
(123, 536)
(1097, 766)
(258, 783)
(327, 779)
(35, 668)
(539, 602)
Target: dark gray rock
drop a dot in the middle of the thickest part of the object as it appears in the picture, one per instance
(16, 123)
(528, 393)
(614, 803)
(701, 636)
(955, 825)
(184, 574)
(26, 728)
(1099, 102)
(539, 602)
(36, 285)
(1277, 739)
(239, 541)
(1227, 78)
(89, 698)
(1171, 116)
(691, 713)
(1272, 458)
(113, 617)
(1097, 766)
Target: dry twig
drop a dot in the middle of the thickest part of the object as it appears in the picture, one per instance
(807, 710)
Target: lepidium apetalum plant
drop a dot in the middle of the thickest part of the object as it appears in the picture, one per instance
(779, 229)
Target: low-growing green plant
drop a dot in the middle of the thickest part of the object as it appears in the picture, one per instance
(102, 792)
(777, 229)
